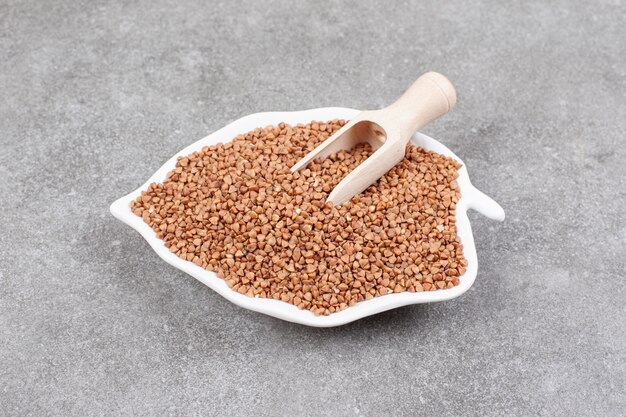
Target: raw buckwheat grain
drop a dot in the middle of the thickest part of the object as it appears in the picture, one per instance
(236, 209)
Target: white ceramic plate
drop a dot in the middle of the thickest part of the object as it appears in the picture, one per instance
(471, 198)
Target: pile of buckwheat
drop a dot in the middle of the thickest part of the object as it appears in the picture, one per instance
(236, 209)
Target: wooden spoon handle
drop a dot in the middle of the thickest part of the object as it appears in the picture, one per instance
(432, 95)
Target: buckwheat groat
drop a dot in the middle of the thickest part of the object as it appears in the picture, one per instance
(236, 209)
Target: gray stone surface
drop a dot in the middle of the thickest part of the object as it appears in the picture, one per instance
(95, 96)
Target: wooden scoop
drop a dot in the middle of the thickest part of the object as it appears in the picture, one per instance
(387, 130)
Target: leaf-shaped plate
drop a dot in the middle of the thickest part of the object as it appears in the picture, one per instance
(471, 198)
